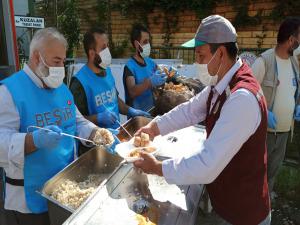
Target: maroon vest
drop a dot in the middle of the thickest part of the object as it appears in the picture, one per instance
(240, 193)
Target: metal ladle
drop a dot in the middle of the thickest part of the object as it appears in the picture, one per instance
(65, 134)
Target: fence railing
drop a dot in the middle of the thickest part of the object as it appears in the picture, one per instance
(187, 54)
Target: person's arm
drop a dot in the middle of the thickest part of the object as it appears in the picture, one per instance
(92, 118)
(84, 128)
(29, 144)
(134, 89)
(231, 131)
(12, 142)
(123, 108)
(81, 100)
(185, 114)
(258, 69)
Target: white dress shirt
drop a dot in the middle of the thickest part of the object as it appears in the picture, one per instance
(239, 119)
(12, 144)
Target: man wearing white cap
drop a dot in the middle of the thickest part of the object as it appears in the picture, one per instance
(232, 161)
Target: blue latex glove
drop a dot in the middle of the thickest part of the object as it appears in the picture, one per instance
(297, 113)
(272, 121)
(171, 69)
(136, 112)
(158, 78)
(107, 119)
(112, 148)
(47, 139)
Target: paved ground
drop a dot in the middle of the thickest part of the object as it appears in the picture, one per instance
(285, 212)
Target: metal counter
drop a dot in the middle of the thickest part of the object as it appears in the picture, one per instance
(128, 192)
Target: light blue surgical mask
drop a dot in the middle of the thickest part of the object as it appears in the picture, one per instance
(146, 50)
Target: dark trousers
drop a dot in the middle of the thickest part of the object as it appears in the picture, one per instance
(17, 218)
(276, 145)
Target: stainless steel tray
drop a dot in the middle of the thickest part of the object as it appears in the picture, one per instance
(132, 126)
(129, 190)
(95, 161)
(118, 201)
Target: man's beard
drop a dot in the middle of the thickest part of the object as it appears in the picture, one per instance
(293, 48)
(97, 61)
(41, 70)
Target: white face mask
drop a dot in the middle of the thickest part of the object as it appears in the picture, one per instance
(105, 58)
(204, 76)
(146, 50)
(53, 77)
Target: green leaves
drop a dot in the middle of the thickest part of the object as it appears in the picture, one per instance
(69, 24)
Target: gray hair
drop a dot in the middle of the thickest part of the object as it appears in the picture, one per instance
(41, 37)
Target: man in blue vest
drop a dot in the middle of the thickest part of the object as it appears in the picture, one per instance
(36, 96)
(94, 87)
(140, 72)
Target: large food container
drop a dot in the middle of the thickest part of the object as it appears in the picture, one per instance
(129, 192)
(118, 196)
(95, 161)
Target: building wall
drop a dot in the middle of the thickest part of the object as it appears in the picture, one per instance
(188, 24)
(248, 36)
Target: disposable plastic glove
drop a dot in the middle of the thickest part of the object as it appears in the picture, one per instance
(47, 139)
(158, 78)
(173, 72)
(112, 148)
(272, 121)
(136, 112)
(297, 113)
(106, 119)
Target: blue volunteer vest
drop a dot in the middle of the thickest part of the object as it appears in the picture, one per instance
(99, 91)
(145, 100)
(42, 107)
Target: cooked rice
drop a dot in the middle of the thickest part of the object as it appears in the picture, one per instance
(73, 194)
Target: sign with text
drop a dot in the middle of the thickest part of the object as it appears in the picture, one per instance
(29, 22)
